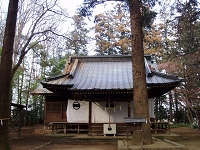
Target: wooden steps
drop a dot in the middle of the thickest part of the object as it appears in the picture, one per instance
(86, 141)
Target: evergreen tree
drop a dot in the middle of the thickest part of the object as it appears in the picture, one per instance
(78, 37)
(6, 73)
(188, 53)
(183, 56)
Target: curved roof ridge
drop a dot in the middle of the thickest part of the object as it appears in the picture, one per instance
(169, 76)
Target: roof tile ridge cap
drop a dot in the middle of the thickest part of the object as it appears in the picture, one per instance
(54, 77)
(73, 69)
(67, 67)
(170, 76)
(147, 68)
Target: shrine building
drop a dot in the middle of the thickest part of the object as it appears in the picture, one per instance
(97, 91)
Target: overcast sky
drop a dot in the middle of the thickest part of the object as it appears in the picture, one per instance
(71, 5)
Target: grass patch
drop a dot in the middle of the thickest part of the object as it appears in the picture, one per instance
(177, 125)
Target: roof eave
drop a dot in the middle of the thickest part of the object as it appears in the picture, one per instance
(53, 86)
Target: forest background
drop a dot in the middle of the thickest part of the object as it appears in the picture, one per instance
(48, 34)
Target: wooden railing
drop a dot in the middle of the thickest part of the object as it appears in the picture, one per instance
(97, 128)
(69, 127)
(160, 127)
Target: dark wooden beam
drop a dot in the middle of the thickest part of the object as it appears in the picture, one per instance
(90, 119)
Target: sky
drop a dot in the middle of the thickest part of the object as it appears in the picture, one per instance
(71, 5)
(74, 5)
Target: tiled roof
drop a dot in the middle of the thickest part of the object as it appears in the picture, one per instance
(107, 73)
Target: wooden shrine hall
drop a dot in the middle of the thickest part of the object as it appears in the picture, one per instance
(95, 92)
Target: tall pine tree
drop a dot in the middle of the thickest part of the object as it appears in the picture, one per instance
(6, 73)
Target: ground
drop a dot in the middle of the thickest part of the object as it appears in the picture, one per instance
(190, 137)
(31, 140)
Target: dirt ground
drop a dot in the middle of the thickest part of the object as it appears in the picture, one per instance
(31, 140)
(190, 137)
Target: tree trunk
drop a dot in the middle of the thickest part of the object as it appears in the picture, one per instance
(189, 115)
(170, 106)
(5, 74)
(28, 89)
(176, 108)
(140, 98)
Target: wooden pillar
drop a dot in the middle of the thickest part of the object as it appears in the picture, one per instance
(129, 109)
(90, 119)
(19, 121)
(61, 105)
(45, 111)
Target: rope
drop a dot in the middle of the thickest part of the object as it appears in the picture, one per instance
(120, 106)
(3, 119)
(109, 114)
(148, 120)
